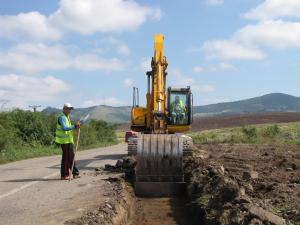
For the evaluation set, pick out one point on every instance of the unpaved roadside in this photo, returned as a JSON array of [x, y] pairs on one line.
[[31, 191]]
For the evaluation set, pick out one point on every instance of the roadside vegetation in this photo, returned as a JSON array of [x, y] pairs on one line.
[[24, 134], [286, 133]]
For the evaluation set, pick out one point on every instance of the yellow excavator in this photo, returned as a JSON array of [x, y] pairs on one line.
[[156, 139]]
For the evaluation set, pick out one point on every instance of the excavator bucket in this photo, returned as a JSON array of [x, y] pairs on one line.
[[159, 170]]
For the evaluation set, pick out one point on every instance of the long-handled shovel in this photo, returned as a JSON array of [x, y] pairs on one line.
[[82, 121], [77, 144]]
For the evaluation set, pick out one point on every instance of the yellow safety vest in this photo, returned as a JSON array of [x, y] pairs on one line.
[[61, 136], [181, 107]]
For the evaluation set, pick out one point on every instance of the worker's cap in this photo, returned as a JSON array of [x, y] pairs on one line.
[[68, 105]]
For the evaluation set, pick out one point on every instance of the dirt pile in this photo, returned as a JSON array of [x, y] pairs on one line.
[[117, 209], [244, 184], [126, 164]]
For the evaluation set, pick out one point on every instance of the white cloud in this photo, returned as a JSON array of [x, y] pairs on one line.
[[90, 16], [128, 82], [82, 16], [198, 69], [110, 44], [33, 58], [249, 42], [23, 90], [246, 43], [273, 33], [228, 50], [179, 80], [124, 49], [215, 2], [91, 62], [145, 64], [226, 66], [28, 26], [112, 101], [271, 9]]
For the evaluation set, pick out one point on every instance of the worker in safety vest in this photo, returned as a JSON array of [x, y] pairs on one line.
[[178, 110], [64, 137]]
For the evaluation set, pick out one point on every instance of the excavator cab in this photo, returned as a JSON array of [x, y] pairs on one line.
[[180, 106]]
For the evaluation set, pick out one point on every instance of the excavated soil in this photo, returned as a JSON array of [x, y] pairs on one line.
[[245, 184]]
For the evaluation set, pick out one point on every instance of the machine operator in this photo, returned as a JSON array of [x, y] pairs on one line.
[[178, 110]]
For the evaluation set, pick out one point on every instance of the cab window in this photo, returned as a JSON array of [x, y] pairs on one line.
[[178, 109]]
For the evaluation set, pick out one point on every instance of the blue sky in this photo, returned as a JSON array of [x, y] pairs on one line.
[[91, 52]]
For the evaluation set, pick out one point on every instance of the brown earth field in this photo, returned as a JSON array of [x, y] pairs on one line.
[[244, 184], [216, 122]]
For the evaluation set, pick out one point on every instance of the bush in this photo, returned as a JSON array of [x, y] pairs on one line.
[[249, 132], [271, 131], [105, 132], [8, 133], [33, 128], [88, 136], [21, 130], [97, 132]]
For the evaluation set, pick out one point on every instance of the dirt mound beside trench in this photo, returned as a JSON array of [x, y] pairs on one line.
[[244, 184], [118, 209]]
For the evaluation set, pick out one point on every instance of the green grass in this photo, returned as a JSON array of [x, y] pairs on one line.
[[120, 136], [12, 154], [285, 133]]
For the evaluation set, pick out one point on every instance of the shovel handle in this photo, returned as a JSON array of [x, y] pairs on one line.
[[76, 148]]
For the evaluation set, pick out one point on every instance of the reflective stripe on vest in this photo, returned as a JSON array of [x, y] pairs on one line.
[[61, 136]]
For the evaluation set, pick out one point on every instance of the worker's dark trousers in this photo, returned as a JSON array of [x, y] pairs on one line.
[[67, 159]]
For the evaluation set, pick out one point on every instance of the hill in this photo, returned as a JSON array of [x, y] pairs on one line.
[[102, 112], [275, 102], [270, 103]]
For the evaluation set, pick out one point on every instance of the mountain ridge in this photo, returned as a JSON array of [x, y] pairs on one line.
[[273, 102]]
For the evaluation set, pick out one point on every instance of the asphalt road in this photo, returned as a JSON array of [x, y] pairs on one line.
[[31, 191]]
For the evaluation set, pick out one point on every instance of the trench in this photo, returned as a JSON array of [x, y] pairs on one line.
[[161, 211], [154, 211]]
